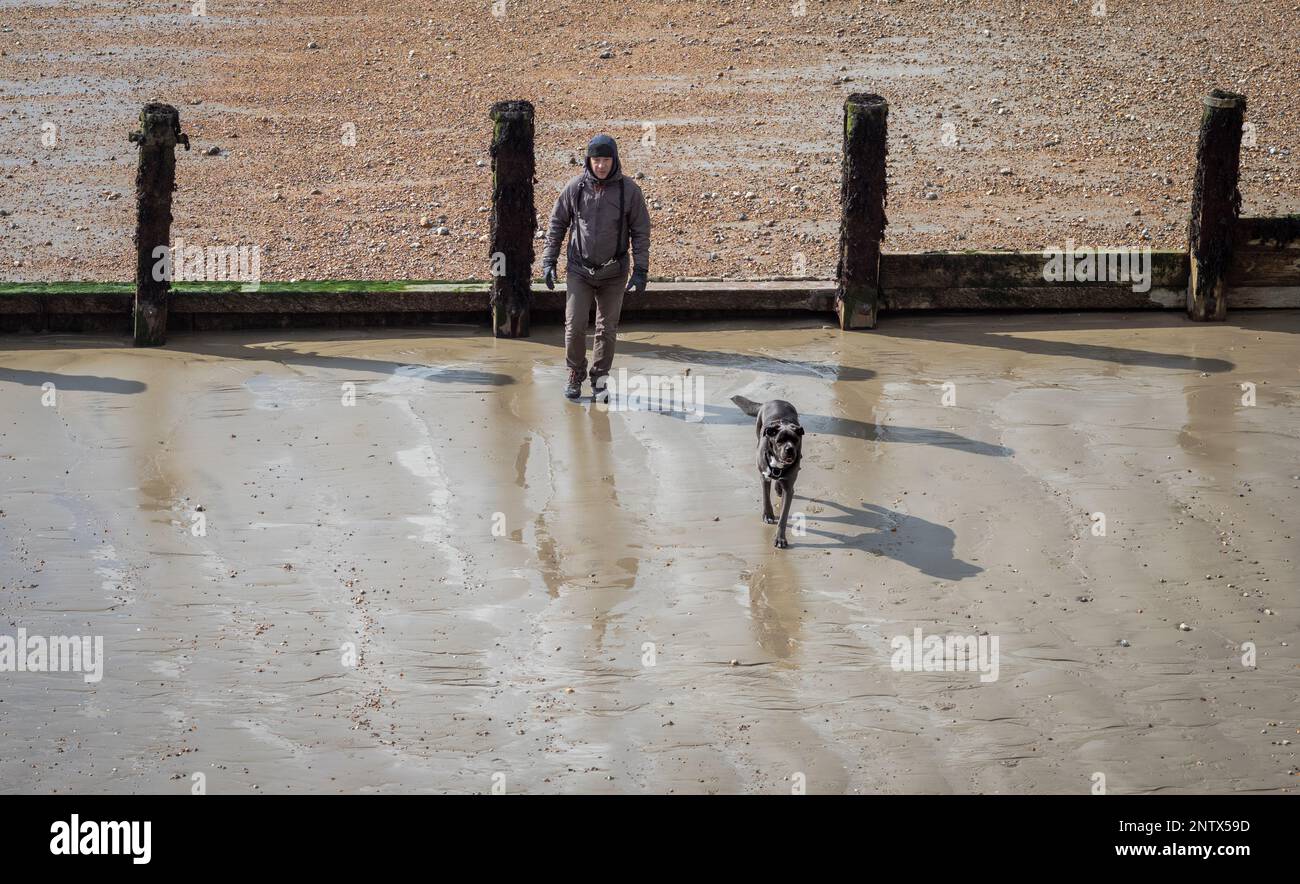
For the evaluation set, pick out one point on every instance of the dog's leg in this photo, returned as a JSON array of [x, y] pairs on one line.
[[768, 516], [786, 497]]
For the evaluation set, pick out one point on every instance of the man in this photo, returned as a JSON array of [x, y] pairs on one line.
[[605, 209]]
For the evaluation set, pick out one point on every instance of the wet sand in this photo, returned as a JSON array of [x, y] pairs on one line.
[[521, 660]]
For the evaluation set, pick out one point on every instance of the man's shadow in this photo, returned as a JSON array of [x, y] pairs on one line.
[[849, 428], [745, 361], [924, 545], [724, 359], [89, 383]]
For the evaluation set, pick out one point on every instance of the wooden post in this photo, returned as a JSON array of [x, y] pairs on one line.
[[513, 219], [1216, 202], [155, 179], [862, 209]]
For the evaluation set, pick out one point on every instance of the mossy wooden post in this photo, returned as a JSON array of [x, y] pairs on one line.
[[514, 218], [155, 179], [862, 209], [1216, 203]]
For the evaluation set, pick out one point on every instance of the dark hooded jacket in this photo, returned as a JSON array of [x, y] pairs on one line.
[[591, 207]]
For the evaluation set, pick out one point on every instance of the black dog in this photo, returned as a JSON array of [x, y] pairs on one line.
[[780, 447]]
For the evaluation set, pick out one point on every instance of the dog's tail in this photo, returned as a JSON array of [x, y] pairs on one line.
[[749, 406]]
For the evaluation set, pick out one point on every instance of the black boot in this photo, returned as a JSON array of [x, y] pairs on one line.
[[573, 386], [600, 389]]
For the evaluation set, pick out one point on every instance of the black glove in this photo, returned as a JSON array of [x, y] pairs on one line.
[[638, 280], [548, 275]]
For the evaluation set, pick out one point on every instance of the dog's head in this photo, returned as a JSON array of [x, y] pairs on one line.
[[783, 440]]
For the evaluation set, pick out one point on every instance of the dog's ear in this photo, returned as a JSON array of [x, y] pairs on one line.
[[798, 430]]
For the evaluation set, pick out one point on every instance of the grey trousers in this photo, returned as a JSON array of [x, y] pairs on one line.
[[608, 295]]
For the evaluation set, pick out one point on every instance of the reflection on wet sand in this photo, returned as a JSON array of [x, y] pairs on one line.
[[775, 607], [1212, 405]]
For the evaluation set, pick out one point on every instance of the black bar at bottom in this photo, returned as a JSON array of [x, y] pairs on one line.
[[337, 833]]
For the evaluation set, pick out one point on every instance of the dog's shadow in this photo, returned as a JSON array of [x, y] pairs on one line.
[[924, 545]]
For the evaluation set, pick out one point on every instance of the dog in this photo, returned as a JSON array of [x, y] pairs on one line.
[[780, 448]]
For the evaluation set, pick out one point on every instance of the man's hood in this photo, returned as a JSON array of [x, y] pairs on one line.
[[609, 145]]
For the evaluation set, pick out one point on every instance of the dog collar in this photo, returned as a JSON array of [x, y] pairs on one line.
[[772, 472]]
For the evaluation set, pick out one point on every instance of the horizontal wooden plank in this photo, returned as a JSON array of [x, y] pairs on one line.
[[1265, 253], [1279, 232], [91, 303], [1266, 273], [1254, 266], [1258, 297], [1059, 297], [327, 302], [940, 270], [22, 304]]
